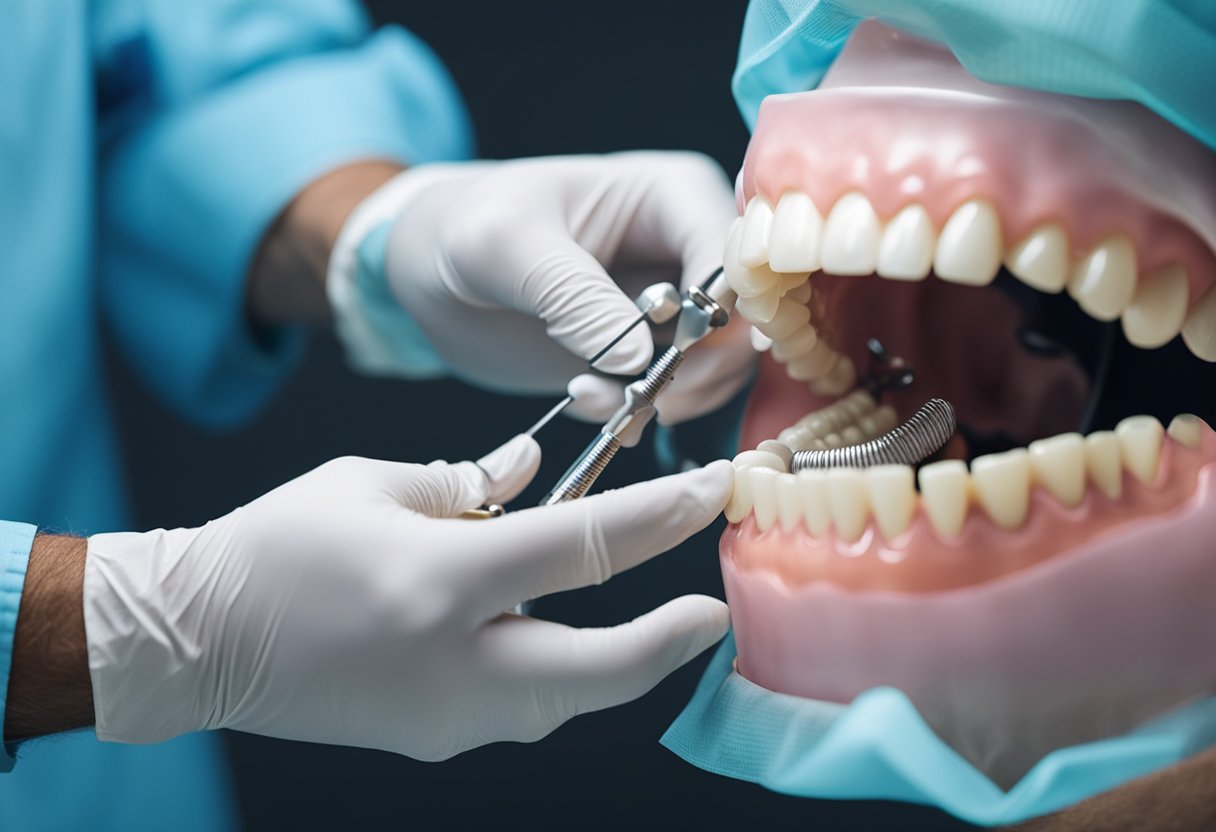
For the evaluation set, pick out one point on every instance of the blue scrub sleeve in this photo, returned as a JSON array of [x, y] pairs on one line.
[[16, 540], [250, 101]]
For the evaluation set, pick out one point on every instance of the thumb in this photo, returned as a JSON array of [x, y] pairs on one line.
[[443, 489]]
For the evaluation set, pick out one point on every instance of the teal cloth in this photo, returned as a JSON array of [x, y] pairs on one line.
[[1161, 53], [145, 146], [878, 747], [16, 539]]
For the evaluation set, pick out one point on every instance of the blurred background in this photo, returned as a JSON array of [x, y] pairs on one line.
[[540, 77]]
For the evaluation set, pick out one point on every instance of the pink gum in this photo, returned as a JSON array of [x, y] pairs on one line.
[[900, 121], [1080, 646], [920, 561]]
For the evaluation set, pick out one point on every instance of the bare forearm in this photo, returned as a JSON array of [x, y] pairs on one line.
[[49, 689], [287, 279]]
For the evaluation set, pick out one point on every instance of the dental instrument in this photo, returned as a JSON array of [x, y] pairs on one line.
[[699, 313]]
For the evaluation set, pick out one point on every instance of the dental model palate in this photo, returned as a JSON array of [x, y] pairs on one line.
[[925, 433]]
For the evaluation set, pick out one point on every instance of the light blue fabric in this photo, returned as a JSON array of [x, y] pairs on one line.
[[878, 747], [16, 539], [1161, 53], [145, 146]]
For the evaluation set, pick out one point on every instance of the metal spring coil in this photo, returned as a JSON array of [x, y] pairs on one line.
[[924, 434], [583, 474], [660, 373]]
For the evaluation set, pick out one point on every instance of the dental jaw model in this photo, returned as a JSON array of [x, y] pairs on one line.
[[1062, 589]]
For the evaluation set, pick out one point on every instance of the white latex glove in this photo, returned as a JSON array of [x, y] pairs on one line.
[[343, 608], [518, 272]]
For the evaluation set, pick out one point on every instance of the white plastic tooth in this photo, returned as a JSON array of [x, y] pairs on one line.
[[892, 493], [1199, 331], [945, 489], [777, 449], [1104, 281], [760, 341], [798, 439], [740, 503], [1104, 464], [816, 503], [747, 283], [1041, 260], [849, 502], [761, 308], [841, 378], [852, 435], [1058, 464], [833, 440], [764, 496], [1140, 446], [814, 363], [760, 459], [789, 502], [851, 236], [789, 318], [801, 293], [1187, 429], [1002, 486], [886, 417], [859, 403], [799, 343], [1158, 308], [969, 247], [906, 251], [754, 239], [794, 236]]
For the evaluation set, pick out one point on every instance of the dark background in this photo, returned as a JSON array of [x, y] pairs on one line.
[[539, 78]]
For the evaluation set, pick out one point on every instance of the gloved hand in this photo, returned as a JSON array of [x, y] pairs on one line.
[[343, 607], [516, 273]]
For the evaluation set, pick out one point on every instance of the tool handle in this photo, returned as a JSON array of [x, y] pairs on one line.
[[580, 476]]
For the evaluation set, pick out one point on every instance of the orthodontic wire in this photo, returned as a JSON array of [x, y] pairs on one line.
[[925, 433]]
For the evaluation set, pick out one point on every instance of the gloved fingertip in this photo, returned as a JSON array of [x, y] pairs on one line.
[[510, 467], [631, 356], [595, 398]]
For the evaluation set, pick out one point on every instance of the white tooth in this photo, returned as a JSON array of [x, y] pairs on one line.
[[886, 417], [816, 507], [858, 403], [1140, 446], [833, 440], [852, 435], [760, 341], [774, 447], [1157, 309], [753, 241], [812, 364], [790, 317], [792, 346], [1103, 463], [1187, 429], [764, 496], [794, 239], [760, 459], [1041, 260], [945, 493], [800, 293], [906, 252], [1002, 485], [740, 502], [1058, 464], [1199, 331], [850, 237], [849, 502], [969, 248], [892, 496], [798, 439], [759, 308], [1104, 281], [841, 378], [789, 501]]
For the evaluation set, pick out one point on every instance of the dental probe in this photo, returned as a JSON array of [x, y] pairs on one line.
[[699, 313], [658, 303]]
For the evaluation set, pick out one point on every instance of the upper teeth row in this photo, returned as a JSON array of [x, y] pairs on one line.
[[844, 499], [769, 245]]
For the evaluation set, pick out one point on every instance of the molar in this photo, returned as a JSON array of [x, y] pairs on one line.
[[1140, 446], [906, 251], [794, 234], [800, 293], [1104, 464], [778, 449], [1002, 485], [945, 494], [841, 378], [1158, 308], [1058, 464], [753, 240], [969, 248], [788, 319], [799, 343], [816, 362], [1041, 260], [848, 502], [1186, 429], [892, 494], [760, 308], [1104, 281], [851, 236], [1199, 331]]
